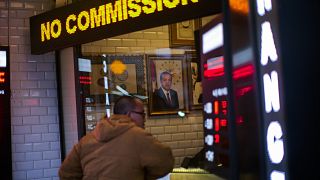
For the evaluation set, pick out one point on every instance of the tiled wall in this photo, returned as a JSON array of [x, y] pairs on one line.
[[183, 135], [34, 114], [145, 41]]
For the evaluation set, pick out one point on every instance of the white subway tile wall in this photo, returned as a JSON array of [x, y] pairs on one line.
[[34, 116]]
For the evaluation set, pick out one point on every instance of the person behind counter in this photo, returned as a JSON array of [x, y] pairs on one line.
[[119, 148]]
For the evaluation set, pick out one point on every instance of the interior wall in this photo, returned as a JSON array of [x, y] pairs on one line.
[[183, 135], [34, 112], [68, 104]]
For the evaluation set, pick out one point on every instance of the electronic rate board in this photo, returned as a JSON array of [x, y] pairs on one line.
[[5, 115], [215, 103]]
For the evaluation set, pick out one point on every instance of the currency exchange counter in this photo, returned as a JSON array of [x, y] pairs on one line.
[[190, 174]]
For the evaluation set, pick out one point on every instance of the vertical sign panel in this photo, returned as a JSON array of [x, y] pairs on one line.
[[245, 119], [215, 102], [270, 81], [5, 115]]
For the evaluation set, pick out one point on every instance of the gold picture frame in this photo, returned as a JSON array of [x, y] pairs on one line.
[[194, 80], [175, 66], [181, 34]]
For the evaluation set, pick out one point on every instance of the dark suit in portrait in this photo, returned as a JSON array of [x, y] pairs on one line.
[[160, 101]]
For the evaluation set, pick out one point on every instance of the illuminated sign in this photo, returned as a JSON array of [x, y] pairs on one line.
[[85, 80], [212, 39], [220, 117], [4, 73], [87, 21], [3, 59], [215, 92], [214, 67], [2, 77], [5, 114], [271, 82]]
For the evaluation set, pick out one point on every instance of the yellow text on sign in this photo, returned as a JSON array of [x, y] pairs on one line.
[[106, 14]]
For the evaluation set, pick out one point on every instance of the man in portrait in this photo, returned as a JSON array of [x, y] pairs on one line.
[[165, 98]]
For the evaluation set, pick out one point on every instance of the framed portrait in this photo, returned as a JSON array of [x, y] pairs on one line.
[[166, 84], [194, 80], [182, 33], [130, 75]]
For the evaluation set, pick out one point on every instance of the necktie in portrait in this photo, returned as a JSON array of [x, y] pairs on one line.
[[168, 98]]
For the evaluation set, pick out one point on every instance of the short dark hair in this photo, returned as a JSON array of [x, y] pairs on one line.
[[163, 73], [124, 105]]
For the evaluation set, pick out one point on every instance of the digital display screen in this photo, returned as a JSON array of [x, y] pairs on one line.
[[84, 65], [5, 115], [215, 113], [2, 77], [213, 67], [4, 73], [3, 59], [215, 103], [212, 39]]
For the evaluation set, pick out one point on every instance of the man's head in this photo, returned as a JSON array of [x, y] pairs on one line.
[[166, 80], [131, 107]]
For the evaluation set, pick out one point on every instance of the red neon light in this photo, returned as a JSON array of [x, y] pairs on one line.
[[84, 77], [243, 71], [216, 124], [224, 112], [216, 138], [216, 107], [213, 73], [224, 104], [214, 68], [2, 78], [85, 80], [223, 122]]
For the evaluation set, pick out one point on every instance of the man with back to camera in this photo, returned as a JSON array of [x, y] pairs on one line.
[[165, 98], [119, 148]]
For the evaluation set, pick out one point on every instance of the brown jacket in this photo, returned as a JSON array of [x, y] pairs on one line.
[[117, 149]]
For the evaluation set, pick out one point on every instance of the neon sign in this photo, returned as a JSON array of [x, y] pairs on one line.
[[270, 79], [214, 67], [87, 21], [215, 95], [5, 113], [2, 77], [85, 80], [219, 113], [4, 72]]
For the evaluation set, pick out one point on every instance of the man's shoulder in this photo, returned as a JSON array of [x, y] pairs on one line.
[[157, 91], [173, 91], [138, 132], [88, 138]]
